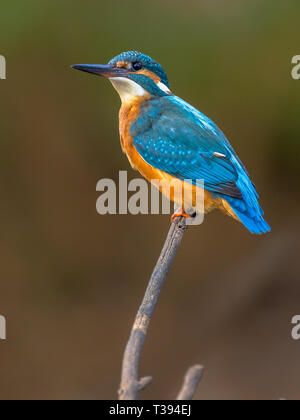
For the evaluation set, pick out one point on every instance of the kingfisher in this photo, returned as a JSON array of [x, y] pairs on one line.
[[167, 139]]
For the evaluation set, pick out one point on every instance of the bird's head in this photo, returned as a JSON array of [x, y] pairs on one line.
[[133, 75]]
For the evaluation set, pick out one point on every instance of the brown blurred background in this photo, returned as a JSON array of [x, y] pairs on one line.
[[71, 280]]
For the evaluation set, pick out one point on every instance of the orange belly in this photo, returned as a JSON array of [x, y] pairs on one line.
[[184, 194]]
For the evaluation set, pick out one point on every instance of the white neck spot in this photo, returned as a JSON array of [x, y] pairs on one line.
[[163, 87]]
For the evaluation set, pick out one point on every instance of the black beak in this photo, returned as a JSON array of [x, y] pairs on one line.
[[102, 70]]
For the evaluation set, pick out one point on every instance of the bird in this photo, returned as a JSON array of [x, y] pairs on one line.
[[167, 139]]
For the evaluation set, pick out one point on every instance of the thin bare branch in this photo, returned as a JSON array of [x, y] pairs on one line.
[[190, 383], [130, 383]]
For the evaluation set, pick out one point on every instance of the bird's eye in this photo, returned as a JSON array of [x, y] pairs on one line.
[[137, 65]]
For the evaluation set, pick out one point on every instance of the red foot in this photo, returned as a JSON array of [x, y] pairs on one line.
[[179, 213]]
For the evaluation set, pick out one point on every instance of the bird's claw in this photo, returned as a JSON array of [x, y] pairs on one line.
[[179, 213]]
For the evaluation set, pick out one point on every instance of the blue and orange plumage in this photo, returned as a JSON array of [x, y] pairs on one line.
[[167, 139]]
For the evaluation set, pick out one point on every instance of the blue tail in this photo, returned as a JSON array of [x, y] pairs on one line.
[[250, 218], [247, 208]]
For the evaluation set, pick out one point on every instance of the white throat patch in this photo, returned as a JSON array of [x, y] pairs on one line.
[[127, 89]]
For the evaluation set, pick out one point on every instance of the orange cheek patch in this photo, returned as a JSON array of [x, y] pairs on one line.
[[150, 74]]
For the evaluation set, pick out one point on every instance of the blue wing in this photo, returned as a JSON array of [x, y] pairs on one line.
[[176, 138]]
